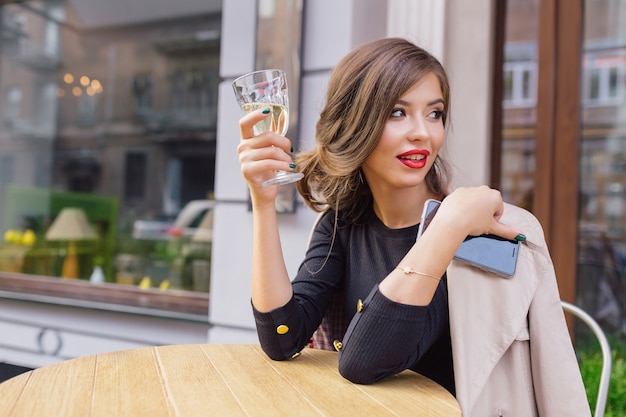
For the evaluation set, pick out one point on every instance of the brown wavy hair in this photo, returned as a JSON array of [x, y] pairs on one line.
[[362, 91]]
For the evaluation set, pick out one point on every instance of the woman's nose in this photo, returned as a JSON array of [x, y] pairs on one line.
[[418, 130]]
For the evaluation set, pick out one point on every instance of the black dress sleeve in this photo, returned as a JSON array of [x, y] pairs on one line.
[[284, 331], [387, 337]]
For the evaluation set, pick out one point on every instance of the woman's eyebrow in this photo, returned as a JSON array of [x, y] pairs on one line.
[[437, 101], [432, 103]]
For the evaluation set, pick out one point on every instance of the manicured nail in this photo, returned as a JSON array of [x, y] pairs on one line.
[[266, 110], [520, 238], [292, 149], [292, 166]]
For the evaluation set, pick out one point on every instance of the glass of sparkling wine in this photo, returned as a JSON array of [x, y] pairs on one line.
[[267, 89]]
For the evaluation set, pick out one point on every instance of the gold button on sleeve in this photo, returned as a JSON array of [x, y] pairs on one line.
[[295, 355], [282, 329], [338, 345], [359, 305]]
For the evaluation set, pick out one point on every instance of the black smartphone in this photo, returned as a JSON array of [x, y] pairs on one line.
[[488, 252]]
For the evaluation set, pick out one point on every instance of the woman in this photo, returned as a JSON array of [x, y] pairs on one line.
[[366, 287]]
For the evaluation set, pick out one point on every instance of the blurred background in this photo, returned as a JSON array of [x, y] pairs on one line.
[[123, 109]]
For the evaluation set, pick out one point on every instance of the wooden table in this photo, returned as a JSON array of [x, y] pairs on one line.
[[213, 379]]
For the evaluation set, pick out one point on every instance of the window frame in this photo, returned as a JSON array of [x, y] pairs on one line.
[[558, 109], [518, 98], [602, 65]]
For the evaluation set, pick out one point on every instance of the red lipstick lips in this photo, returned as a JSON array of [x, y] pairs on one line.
[[415, 158]]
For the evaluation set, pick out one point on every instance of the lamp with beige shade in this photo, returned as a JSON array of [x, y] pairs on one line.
[[70, 225]]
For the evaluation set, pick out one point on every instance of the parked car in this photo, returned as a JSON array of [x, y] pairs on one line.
[[186, 223]]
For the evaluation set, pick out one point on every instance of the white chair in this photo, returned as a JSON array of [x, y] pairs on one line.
[[605, 376]]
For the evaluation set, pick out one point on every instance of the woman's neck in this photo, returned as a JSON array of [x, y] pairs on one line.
[[401, 208]]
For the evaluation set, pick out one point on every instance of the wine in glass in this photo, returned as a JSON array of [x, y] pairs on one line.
[[267, 89]]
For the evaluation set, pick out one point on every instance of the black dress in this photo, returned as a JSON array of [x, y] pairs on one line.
[[385, 337]]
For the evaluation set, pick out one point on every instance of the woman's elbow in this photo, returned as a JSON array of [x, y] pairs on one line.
[[276, 356], [357, 372], [274, 352]]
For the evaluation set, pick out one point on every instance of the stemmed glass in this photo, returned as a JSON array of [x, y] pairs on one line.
[[263, 89]]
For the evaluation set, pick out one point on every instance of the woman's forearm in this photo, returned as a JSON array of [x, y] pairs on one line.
[[271, 286], [425, 263]]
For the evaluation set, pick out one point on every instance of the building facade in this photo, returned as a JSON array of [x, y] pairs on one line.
[[126, 110]]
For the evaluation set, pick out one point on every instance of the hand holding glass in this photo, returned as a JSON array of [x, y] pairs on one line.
[[267, 89]]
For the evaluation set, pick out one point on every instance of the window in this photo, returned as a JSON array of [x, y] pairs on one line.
[[604, 81], [6, 170], [87, 106], [520, 84], [135, 176], [88, 99], [12, 105], [142, 89]]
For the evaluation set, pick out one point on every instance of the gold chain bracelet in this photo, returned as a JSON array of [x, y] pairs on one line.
[[409, 270]]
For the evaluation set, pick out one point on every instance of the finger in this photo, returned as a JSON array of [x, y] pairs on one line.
[[508, 232], [498, 212], [277, 145], [247, 122], [272, 153], [265, 167]]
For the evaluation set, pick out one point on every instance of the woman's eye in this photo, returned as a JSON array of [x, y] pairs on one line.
[[436, 114], [397, 113]]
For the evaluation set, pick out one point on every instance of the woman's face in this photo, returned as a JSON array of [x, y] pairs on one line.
[[411, 139]]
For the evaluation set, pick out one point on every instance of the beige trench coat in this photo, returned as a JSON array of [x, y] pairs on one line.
[[512, 351]]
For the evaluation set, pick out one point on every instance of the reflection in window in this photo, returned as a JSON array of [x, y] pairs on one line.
[[135, 176], [82, 173], [6, 170], [91, 92], [142, 90], [12, 104], [602, 222], [605, 80], [191, 89], [519, 97], [51, 39], [42, 170], [45, 109], [520, 84], [87, 105]]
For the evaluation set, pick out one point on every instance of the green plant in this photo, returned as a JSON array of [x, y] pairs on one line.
[[590, 360]]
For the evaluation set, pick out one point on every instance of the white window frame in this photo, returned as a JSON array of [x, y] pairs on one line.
[[603, 67], [518, 98]]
